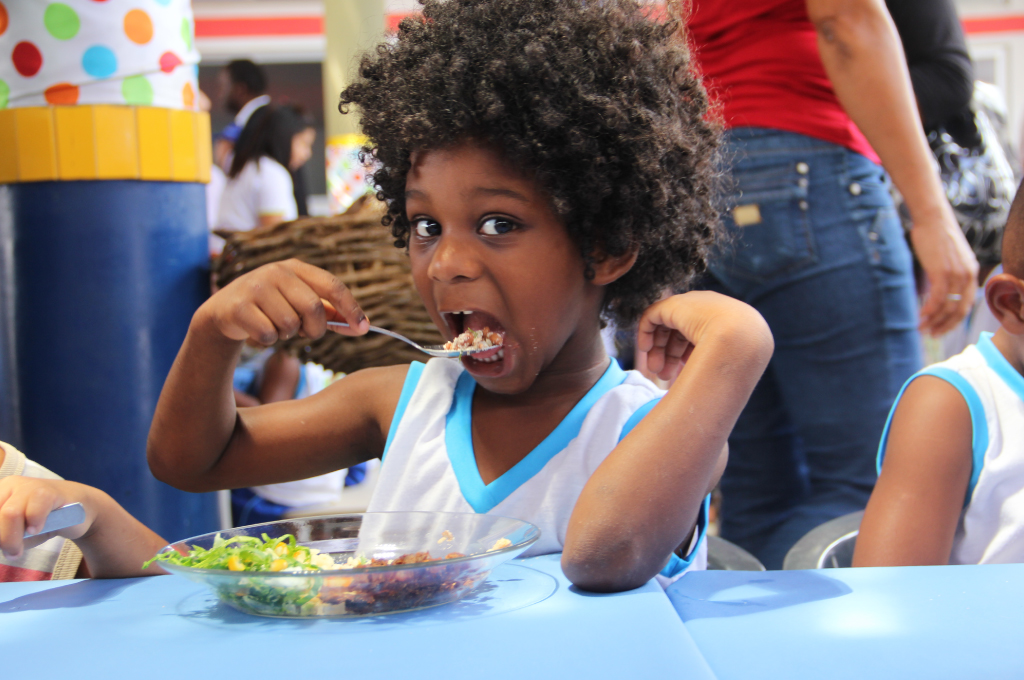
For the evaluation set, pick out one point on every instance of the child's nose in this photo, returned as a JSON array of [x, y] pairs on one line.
[[454, 259]]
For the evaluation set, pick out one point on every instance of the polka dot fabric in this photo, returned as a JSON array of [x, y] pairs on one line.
[[138, 52]]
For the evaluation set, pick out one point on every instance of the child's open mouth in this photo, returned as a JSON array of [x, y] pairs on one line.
[[474, 328]]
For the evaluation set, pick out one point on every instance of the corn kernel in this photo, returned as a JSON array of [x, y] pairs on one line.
[[235, 564], [278, 565]]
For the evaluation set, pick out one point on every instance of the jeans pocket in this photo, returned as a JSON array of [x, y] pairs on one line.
[[767, 223], [886, 244]]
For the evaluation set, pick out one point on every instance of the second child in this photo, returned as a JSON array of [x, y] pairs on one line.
[[951, 485]]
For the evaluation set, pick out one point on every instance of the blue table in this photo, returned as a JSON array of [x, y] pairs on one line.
[[526, 621], [876, 624]]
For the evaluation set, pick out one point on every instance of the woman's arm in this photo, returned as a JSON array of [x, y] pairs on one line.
[[199, 441], [914, 509], [862, 56], [643, 500]]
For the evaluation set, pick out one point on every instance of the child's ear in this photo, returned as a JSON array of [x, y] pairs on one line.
[[1005, 296], [608, 269]]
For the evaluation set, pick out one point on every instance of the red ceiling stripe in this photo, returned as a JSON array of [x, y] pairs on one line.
[[994, 24], [237, 27]]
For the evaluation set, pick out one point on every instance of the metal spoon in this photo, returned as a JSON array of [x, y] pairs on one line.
[[61, 518], [432, 350]]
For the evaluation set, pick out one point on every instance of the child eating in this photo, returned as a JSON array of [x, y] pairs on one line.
[[951, 487], [547, 163]]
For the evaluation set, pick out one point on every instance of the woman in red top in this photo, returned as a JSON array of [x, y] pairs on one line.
[[813, 95]]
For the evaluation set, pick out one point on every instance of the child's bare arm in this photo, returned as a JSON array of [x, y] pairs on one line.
[[643, 500], [914, 509], [199, 441], [113, 543]]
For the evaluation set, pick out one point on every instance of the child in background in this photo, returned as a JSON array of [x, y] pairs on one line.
[[265, 376], [110, 543], [951, 488], [546, 163]]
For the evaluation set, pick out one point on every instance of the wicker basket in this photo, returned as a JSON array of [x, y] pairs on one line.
[[360, 251]]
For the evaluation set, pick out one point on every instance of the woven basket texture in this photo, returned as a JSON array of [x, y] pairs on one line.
[[360, 251]]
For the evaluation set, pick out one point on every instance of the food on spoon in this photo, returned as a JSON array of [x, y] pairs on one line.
[[474, 339]]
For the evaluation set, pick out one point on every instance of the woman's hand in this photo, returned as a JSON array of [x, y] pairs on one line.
[[951, 268], [670, 329], [279, 301]]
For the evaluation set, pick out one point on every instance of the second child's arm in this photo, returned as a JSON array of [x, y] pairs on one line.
[[200, 441], [113, 543], [913, 512], [643, 500]]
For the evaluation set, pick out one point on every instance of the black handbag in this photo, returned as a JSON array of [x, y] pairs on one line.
[[978, 179]]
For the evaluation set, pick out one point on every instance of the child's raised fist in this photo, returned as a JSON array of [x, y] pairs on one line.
[[671, 329]]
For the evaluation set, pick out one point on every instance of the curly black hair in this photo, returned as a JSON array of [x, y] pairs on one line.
[[593, 97]]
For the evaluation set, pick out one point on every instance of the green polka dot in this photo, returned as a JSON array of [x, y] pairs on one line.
[[5, 91], [61, 21], [186, 33], [137, 91]]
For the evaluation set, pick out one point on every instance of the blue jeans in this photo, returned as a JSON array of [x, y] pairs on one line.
[[823, 258]]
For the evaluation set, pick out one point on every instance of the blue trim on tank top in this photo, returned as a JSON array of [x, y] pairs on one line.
[[458, 438], [979, 423], [637, 416], [998, 363], [412, 379], [676, 564]]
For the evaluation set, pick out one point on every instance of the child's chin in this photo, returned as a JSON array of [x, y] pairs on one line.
[[498, 368]]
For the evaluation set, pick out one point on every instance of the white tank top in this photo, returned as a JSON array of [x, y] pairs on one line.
[[991, 526], [429, 463]]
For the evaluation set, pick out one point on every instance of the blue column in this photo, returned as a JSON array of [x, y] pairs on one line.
[[107, 275]]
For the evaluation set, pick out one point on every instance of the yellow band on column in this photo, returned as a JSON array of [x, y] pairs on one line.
[[104, 142]]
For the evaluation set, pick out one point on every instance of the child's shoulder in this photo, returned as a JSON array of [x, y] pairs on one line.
[[621, 399]]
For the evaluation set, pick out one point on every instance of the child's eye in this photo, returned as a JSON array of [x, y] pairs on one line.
[[493, 226], [425, 228]]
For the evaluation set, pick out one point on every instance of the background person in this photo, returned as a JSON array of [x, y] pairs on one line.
[[259, 190], [243, 87], [810, 90]]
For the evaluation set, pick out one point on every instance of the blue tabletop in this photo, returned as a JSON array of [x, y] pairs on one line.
[[881, 623], [525, 621]]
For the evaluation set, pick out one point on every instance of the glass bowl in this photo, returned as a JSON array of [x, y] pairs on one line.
[[479, 543]]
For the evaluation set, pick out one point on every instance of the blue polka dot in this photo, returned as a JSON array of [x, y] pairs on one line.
[[164, 2], [99, 61]]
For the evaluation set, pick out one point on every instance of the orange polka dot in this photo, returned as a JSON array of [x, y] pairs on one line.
[[3, 18], [188, 96], [62, 94], [138, 26]]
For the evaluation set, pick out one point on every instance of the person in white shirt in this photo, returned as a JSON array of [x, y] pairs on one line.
[[243, 87], [259, 191]]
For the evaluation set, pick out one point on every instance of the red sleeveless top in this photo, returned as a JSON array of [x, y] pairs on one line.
[[761, 64]]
